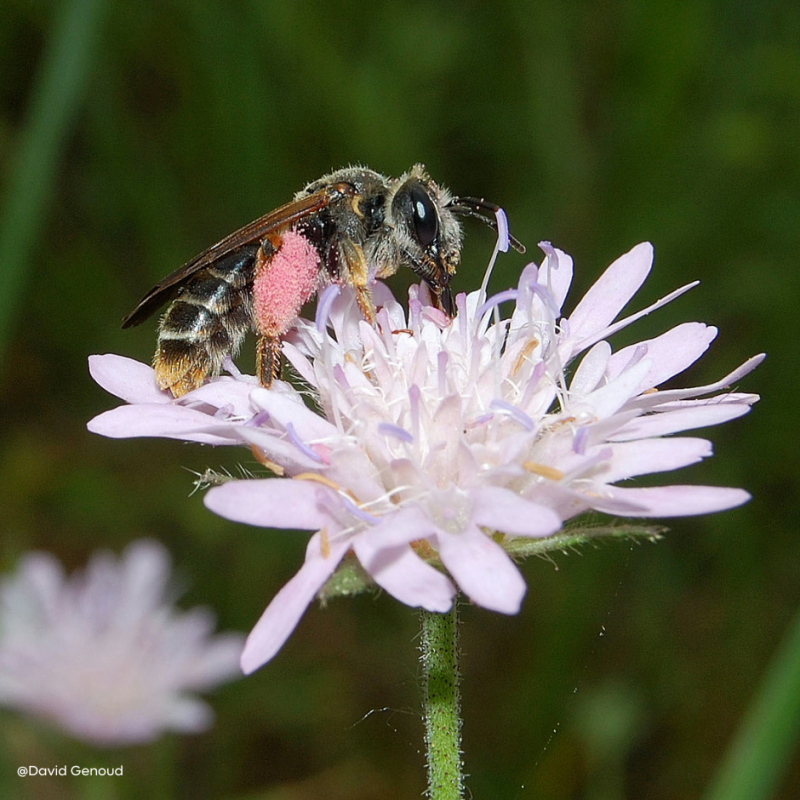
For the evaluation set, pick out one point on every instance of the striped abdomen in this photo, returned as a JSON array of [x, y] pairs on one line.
[[205, 322]]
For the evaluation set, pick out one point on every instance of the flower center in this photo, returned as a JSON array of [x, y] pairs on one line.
[[450, 510]]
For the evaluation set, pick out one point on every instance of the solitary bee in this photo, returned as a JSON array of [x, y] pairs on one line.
[[349, 227]]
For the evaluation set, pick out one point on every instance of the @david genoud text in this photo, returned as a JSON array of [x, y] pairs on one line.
[[65, 770]]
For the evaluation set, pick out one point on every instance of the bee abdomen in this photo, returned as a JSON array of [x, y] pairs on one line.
[[207, 321]]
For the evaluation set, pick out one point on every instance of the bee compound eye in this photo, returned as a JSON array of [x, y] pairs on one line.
[[426, 221]]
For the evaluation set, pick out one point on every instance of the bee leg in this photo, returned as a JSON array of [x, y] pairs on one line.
[[365, 303], [268, 359], [358, 273]]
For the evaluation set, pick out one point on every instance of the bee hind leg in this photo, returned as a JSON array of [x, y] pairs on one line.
[[268, 359], [365, 303]]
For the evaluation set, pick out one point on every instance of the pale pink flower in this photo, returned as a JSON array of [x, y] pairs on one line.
[[444, 441], [103, 654]]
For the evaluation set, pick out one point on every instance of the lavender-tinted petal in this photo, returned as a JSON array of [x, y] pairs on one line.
[[224, 392], [556, 273], [670, 353], [284, 409], [611, 292], [164, 421], [271, 503], [326, 300], [677, 501], [402, 573], [299, 361], [127, 379], [591, 370], [284, 612], [482, 569], [729, 380], [576, 345], [654, 455], [274, 446], [682, 419], [610, 397], [397, 529], [503, 510]]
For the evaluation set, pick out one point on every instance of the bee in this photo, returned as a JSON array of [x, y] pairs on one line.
[[350, 227]]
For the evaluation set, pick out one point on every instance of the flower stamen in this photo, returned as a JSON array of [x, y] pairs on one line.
[[265, 462], [316, 478], [324, 543], [515, 413], [395, 431], [524, 356], [543, 471], [302, 446]]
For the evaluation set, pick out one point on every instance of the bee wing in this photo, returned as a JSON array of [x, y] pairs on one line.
[[255, 231]]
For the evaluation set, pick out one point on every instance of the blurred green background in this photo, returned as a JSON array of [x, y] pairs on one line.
[[133, 135]]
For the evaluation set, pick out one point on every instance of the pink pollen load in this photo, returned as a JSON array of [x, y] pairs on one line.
[[285, 283]]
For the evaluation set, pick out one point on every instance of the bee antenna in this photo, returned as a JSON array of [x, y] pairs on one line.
[[478, 208]]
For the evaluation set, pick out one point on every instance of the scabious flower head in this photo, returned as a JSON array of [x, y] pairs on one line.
[[435, 442], [103, 654]]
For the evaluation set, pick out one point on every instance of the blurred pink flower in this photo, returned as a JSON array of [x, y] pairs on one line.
[[103, 654], [450, 439]]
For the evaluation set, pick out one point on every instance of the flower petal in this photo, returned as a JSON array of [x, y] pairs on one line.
[[611, 292], [503, 510], [555, 274], [272, 503], [402, 573], [164, 420], [274, 445], [681, 419], [397, 529], [284, 612], [576, 346], [285, 409], [482, 569], [670, 353], [654, 455], [127, 379], [657, 398], [592, 370], [299, 361], [610, 397], [676, 501], [232, 394]]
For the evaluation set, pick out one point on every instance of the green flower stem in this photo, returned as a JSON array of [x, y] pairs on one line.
[[442, 704]]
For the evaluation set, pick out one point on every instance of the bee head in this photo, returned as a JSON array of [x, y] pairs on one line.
[[427, 232]]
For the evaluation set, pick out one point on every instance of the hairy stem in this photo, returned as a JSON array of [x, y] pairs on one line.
[[442, 704]]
